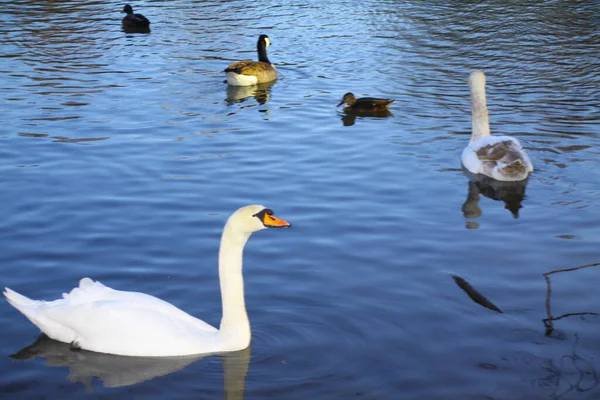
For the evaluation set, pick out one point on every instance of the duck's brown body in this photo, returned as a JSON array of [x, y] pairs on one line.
[[365, 103], [134, 20]]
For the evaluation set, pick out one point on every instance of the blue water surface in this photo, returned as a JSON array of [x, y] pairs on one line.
[[122, 155]]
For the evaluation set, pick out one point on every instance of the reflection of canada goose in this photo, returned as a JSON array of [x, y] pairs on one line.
[[119, 371], [97, 318], [511, 193], [134, 19], [364, 103], [248, 72], [261, 93], [499, 157]]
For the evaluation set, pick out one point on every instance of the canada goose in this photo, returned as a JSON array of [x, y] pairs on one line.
[[498, 157], [248, 72], [97, 318]]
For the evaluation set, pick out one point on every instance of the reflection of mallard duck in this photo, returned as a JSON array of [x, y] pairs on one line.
[[248, 72], [511, 193], [119, 371], [350, 116], [134, 20], [364, 104], [499, 157], [97, 318]]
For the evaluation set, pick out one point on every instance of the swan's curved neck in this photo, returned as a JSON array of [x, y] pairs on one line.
[[479, 112], [262, 53], [235, 325]]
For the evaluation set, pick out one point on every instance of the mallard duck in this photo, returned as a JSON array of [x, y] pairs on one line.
[[498, 157], [364, 103], [134, 19], [248, 72], [97, 318]]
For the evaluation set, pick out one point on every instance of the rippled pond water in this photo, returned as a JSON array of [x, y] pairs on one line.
[[122, 155]]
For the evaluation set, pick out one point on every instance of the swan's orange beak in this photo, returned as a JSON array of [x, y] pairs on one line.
[[272, 221]]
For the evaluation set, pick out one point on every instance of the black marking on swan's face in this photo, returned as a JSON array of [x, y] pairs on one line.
[[269, 220]]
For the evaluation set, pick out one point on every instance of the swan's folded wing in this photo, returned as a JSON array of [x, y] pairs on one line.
[[90, 296], [495, 151], [129, 326]]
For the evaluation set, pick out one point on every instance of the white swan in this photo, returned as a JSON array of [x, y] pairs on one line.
[[97, 318], [499, 157]]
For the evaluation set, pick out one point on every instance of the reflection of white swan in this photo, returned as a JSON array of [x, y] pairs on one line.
[[511, 193], [499, 157], [117, 371], [97, 318]]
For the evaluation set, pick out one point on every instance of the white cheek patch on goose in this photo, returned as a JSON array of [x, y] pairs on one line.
[[268, 42]]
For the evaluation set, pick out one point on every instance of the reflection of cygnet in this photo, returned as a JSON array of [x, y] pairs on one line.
[[470, 207]]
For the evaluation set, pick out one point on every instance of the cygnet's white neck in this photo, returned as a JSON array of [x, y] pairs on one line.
[[235, 326], [479, 113]]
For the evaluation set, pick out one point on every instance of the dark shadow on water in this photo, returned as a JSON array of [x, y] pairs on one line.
[[239, 94], [349, 117], [117, 371], [511, 193]]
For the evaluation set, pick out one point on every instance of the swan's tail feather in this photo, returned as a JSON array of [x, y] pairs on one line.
[[28, 307], [19, 301], [34, 311]]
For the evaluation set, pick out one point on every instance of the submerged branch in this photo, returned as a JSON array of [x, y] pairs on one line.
[[570, 269], [548, 321], [474, 294]]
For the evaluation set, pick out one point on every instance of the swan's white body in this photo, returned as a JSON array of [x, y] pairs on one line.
[[499, 157], [97, 318]]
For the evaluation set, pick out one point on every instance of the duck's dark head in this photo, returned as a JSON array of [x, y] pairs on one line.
[[347, 99], [127, 9]]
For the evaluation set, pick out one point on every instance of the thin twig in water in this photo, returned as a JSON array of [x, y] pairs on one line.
[[570, 269], [548, 321]]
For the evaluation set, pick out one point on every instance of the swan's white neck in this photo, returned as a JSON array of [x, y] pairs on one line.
[[479, 113], [235, 326]]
